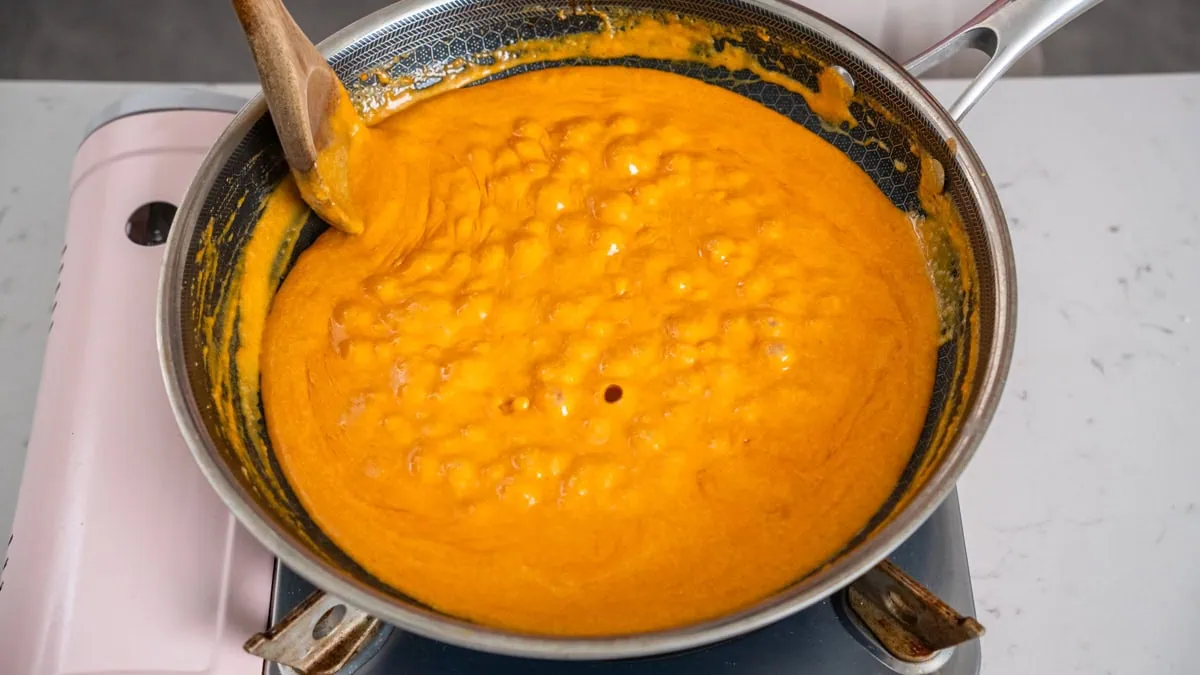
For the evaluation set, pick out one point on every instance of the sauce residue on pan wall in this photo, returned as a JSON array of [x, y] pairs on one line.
[[644, 35], [636, 356], [232, 331]]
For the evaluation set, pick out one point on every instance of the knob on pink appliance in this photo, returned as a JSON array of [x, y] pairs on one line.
[[122, 559]]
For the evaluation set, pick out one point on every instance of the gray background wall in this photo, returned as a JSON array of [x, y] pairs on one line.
[[199, 40]]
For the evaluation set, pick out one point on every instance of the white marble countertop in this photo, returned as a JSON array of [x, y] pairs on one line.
[[1082, 508]]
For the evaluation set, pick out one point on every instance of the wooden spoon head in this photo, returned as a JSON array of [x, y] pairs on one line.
[[309, 107]]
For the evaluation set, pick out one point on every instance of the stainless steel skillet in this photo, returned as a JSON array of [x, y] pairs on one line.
[[218, 408]]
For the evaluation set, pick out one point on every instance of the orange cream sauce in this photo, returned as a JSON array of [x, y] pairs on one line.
[[616, 351]]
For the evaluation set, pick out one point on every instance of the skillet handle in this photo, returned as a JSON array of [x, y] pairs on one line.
[[907, 628], [321, 636], [1004, 30]]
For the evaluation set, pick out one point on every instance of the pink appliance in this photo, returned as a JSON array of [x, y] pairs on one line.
[[122, 560]]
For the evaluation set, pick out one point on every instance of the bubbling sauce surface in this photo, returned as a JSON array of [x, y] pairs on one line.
[[617, 351]]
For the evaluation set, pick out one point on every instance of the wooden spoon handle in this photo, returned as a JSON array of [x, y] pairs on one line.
[[300, 87]]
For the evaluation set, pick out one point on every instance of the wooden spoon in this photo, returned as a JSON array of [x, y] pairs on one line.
[[311, 110]]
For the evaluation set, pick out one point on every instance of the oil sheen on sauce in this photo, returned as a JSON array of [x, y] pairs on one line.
[[616, 351]]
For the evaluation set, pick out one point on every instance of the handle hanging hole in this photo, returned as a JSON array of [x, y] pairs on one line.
[[328, 621]]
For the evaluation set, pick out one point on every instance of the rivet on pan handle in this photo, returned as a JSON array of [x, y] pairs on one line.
[[321, 636], [914, 626]]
